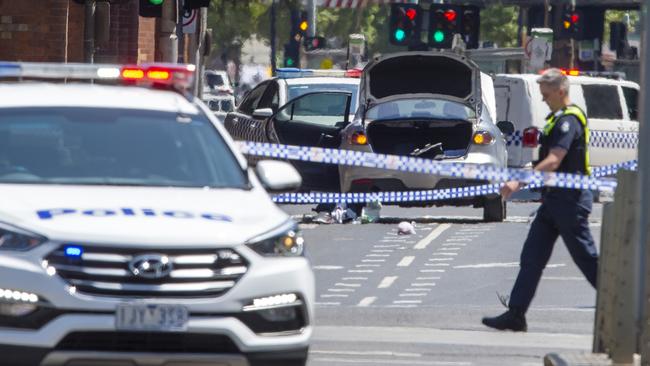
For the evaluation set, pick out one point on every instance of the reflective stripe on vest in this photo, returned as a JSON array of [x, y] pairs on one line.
[[577, 112]]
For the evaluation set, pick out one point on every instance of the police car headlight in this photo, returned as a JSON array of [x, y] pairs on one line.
[[13, 238], [285, 241]]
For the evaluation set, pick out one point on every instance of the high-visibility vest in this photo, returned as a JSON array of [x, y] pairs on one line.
[[580, 115]]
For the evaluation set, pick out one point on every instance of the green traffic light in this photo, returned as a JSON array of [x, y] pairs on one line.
[[400, 35], [289, 62], [439, 36], [156, 2]]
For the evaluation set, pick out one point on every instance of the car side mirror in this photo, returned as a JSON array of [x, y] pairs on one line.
[[278, 176], [507, 127], [263, 113]]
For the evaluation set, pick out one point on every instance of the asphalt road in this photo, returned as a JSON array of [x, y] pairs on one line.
[[388, 299]]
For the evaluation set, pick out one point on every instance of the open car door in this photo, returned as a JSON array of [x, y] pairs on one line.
[[314, 119]]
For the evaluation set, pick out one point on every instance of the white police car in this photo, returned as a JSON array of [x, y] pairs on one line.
[[132, 231]]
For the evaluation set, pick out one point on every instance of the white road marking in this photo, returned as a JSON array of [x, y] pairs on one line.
[[427, 278], [449, 248], [418, 289], [333, 295], [367, 301], [490, 265], [372, 260], [391, 240], [340, 289], [457, 239], [327, 303], [445, 254], [423, 284], [327, 268], [354, 278], [367, 265], [365, 353], [336, 361], [401, 306], [387, 281], [431, 270], [434, 270], [407, 302], [432, 236], [453, 244], [360, 270], [386, 245], [382, 250], [348, 284], [406, 261], [413, 294], [378, 255], [437, 264], [441, 259]]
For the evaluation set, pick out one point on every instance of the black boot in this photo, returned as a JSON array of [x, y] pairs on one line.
[[510, 320]]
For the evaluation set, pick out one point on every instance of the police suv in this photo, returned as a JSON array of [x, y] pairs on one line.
[[133, 232]]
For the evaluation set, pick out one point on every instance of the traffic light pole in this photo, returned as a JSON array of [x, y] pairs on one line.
[[168, 38], [311, 11], [273, 37], [89, 31]]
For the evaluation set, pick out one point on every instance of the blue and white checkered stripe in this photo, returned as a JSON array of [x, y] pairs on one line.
[[598, 139], [425, 195], [419, 165]]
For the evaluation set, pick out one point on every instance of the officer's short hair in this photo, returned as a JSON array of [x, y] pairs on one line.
[[555, 79]]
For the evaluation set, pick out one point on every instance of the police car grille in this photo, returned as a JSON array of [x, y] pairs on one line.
[[109, 271]]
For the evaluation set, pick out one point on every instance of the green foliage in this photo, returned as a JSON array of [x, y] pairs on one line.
[[499, 25]]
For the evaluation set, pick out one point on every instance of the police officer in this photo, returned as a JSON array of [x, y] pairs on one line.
[[563, 212]]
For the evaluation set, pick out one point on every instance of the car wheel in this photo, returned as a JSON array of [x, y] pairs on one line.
[[494, 210]]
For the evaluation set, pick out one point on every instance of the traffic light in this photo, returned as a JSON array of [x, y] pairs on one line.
[[617, 38], [405, 23], [314, 43], [292, 54], [303, 26], [151, 8], [470, 24], [444, 21], [571, 23]]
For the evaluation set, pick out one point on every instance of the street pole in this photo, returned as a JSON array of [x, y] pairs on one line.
[[641, 267], [311, 12], [89, 31], [180, 36], [168, 39], [273, 37]]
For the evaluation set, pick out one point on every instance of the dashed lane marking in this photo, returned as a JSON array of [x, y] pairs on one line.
[[406, 261], [449, 240], [367, 301], [387, 281], [407, 302], [453, 244], [452, 254], [327, 303], [327, 268], [413, 294], [348, 284], [427, 278], [449, 248], [386, 245], [360, 271], [377, 255], [373, 260], [340, 289], [438, 264], [382, 250], [367, 265], [418, 289], [432, 236], [431, 270], [354, 278], [423, 284], [333, 295], [441, 259]]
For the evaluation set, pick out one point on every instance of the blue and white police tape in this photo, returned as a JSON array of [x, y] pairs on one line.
[[425, 166], [598, 139], [423, 195]]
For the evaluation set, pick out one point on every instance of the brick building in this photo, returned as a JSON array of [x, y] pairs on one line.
[[53, 31]]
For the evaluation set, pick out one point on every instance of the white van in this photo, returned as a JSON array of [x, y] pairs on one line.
[[611, 106]]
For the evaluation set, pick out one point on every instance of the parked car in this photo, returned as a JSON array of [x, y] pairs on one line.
[[217, 82], [299, 107], [132, 231], [433, 105], [610, 104]]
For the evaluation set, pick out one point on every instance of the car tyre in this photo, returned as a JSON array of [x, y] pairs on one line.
[[494, 209]]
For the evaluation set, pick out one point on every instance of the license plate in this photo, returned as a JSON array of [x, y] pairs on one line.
[[151, 317]]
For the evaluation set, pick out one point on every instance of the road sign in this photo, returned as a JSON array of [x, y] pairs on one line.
[[189, 20]]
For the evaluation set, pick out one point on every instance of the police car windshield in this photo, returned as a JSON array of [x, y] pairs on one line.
[[91, 146], [420, 108], [300, 89]]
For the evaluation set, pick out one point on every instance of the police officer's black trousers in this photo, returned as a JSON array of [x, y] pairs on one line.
[[563, 215]]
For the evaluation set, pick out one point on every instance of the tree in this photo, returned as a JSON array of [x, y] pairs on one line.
[[499, 25]]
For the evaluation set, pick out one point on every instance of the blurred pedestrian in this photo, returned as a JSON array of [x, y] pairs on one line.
[[564, 212]]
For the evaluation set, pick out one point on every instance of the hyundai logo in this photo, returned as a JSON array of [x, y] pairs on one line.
[[151, 266]]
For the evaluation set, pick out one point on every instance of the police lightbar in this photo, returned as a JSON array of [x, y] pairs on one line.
[[172, 76], [289, 73]]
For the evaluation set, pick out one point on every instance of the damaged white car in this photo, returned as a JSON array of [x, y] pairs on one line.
[[432, 105]]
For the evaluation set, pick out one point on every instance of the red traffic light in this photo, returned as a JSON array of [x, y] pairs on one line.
[[450, 15], [411, 13], [574, 18]]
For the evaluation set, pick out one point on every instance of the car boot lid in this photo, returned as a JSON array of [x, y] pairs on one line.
[[410, 75]]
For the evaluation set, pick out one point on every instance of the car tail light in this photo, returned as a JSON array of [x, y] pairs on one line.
[[353, 73], [359, 138], [530, 137], [482, 138]]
